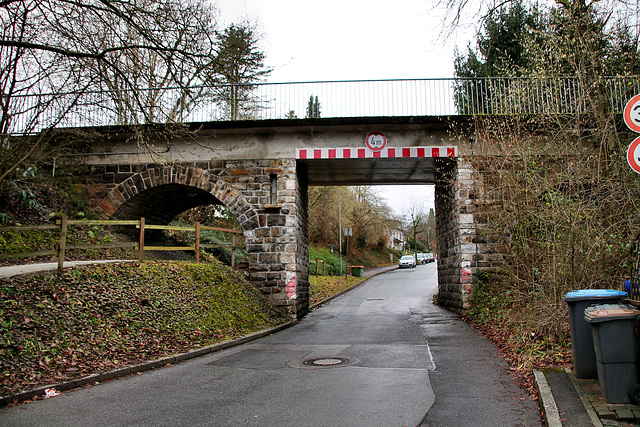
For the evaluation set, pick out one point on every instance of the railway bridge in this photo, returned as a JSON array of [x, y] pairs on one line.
[[261, 167]]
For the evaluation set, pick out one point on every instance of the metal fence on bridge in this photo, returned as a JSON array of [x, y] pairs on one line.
[[330, 99]]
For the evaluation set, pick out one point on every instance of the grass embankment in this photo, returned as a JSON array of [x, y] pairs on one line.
[[98, 318], [323, 287], [377, 257]]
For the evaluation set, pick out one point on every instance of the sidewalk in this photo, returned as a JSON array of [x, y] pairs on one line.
[[569, 401], [15, 270], [379, 270]]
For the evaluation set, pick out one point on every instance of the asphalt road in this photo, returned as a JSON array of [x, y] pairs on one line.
[[381, 355]]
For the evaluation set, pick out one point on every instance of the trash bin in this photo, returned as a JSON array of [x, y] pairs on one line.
[[614, 339], [356, 270], [584, 356]]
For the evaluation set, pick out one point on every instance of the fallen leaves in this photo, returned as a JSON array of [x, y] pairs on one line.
[[521, 359], [98, 318]]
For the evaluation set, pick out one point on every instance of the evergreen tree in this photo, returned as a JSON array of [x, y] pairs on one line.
[[501, 50], [239, 64], [313, 109], [501, 44]]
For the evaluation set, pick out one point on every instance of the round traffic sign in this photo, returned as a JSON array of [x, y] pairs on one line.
[[376, 141], [633, 155], [632, 114]]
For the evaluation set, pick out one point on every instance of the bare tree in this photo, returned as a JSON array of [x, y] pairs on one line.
[[362, 210], [28, 67], [462, 13], [369, 217], [147, 85], [140, 61], [417, 218]]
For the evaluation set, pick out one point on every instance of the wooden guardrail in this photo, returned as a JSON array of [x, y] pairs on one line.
[[63, 224]]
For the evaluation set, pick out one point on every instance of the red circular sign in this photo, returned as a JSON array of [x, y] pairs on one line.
[[632, 114], [633, 155], [376, 141]]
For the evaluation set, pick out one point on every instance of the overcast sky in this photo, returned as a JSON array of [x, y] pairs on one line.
[[352, 40]]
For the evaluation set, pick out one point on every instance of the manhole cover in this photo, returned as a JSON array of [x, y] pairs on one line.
[[322, 362], [327, 361]]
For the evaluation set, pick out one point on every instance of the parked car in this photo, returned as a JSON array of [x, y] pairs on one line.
[[422, 258], [430, 257], [407, 261]]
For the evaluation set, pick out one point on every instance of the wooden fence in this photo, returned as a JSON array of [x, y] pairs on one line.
[[63, 224], [320, 267]]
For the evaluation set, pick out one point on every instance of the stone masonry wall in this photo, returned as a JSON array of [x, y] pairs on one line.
[[264, 195], [463, 249], [302, 246], [449, 286], [269, 198]]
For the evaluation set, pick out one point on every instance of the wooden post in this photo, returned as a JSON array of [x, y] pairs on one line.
[[324, 268], [63, 242], [141, 248], [197, 241], [317, 266], [233, 250]]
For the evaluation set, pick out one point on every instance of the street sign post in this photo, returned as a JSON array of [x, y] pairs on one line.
[[632, 120], [632, 114], [347, 232], [633, 155]]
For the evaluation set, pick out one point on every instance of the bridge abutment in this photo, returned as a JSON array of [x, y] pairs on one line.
[[266, 196], [463, 249], [278, 247], [269, 199]]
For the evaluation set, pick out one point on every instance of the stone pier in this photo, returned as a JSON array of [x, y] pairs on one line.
[[463, 249]]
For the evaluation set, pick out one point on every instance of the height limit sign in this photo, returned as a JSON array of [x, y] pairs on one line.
[[632, 120]]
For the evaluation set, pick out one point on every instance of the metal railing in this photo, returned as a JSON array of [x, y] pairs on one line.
[[356, 98]]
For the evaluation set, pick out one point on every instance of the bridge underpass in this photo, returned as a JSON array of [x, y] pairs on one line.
[[261, 172]]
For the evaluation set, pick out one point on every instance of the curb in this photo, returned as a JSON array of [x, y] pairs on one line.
[[547, 402], [146, 366]]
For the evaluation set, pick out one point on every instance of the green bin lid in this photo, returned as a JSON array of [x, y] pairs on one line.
[[593, 294], [608, 312]]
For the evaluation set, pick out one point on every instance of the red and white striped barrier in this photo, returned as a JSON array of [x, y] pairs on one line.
[[366, 153]]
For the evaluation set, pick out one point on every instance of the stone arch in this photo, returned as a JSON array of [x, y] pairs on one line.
[[201, 179], [274, 232]]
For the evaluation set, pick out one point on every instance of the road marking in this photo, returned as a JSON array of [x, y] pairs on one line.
[[432, 363]]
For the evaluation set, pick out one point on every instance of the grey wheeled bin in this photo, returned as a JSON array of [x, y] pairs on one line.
[[584, 356], [614, 339]]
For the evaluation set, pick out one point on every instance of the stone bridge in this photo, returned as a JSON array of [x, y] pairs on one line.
[[261, 170]]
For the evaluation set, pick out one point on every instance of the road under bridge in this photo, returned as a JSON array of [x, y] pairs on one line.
[[261, 171]]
